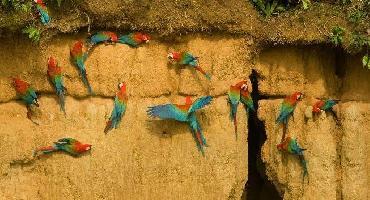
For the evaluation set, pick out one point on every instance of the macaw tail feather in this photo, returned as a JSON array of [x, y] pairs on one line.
[[61, 101], [233, 117], [236, 127], [86, 82], [199, 140], [108, 127], [250, 107], [30, 114], [45, 19], [304, 166], [207, 75], [45, 150]]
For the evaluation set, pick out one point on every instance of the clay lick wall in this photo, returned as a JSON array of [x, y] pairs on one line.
[[150, 159], [144, 158], [338, 151]]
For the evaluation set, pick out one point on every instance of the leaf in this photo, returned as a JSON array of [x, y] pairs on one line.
[[33, 33], [306, 4], [366, 61]]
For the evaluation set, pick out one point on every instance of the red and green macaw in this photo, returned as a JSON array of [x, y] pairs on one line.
[[290, 145], [119, 109], [56, 77], [27, 94], [79, 57], [288, 106], [42, 11], [324, 105], [239, 93], [186, 58], [68, 145], [103, 37], [184, 113], [134, 39]]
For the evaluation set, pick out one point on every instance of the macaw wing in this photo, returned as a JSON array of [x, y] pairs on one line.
[[32, 93], [65, 141], [200, 103], [118, 110], [328, 104], [285, 111], [247, 100], [234, 95], [127, 39], [168, 111], [187, 58], [98, 37], [84, 57]]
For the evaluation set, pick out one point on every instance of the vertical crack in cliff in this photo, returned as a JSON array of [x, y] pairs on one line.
[[340, 66], [258, 187]]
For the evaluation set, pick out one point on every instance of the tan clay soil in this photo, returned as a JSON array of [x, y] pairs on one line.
[[152, 159]]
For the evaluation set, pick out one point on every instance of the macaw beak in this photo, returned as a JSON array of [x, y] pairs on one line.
[[88, 148], [147, 41]]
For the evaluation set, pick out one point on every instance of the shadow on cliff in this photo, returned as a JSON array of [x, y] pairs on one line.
[[258, 187]]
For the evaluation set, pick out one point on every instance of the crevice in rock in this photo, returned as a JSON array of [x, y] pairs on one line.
[[258, 187]]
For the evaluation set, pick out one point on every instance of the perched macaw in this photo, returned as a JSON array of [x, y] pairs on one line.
[[326, 105], [79, 57], [119, 109], [291, 146], [288, 106], [239, 93], [42, 11], [56, 77], [103, 36], [186, 58], [68, 145], [27, 94], [184, 113], [134, 39]]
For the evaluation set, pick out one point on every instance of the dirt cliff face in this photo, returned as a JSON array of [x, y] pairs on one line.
[[151, 159]]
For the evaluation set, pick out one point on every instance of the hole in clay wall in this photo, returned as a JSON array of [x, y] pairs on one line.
[[258, 187]]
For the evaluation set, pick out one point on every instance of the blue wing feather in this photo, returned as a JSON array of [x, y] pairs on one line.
[[200, 103], [167, 111], [285, 112]]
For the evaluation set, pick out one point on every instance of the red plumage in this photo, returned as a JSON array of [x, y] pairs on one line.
[[20, 85], [293, 99], [141, 37], [53, 68], [317, 106]]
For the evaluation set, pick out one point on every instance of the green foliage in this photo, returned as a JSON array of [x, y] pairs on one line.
[[359, 41], [346, 1], [270, 7], [336, 36], [33, 33], [356, 16], [17, 5], [366, 61], [267, 7], [306, 4]]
